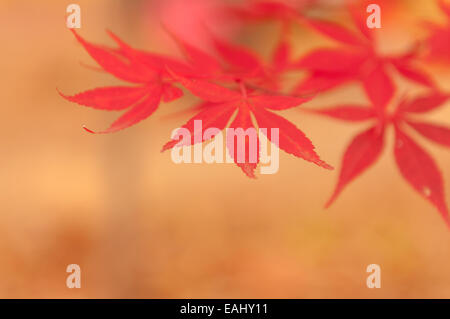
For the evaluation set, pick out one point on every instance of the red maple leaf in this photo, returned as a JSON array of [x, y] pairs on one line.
[[219, 104], [223, 103], [416, 166], [355, 59], [438, 42], [146, 71]]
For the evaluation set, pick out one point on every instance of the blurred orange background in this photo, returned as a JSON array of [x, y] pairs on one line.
[[141, 226]]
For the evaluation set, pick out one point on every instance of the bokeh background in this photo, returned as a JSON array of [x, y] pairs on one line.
[[141, 226]]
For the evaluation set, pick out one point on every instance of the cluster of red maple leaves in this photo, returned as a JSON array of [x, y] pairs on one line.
[[241, 90]]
